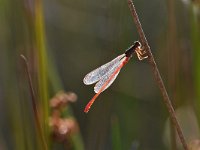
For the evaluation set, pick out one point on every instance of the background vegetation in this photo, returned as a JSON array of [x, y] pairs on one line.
[[64, 40]]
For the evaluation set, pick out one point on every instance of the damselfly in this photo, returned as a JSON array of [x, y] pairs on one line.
[[107, 73]]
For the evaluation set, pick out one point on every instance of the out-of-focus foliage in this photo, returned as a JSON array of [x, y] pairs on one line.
[[63, 40]]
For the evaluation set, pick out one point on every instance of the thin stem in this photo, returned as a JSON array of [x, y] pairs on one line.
[[41, 54], [157, 75], [33, 99]]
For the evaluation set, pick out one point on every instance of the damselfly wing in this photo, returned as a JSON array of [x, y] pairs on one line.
[[98, 73]]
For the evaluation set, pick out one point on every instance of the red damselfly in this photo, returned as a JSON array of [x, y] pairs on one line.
[[107, 73]]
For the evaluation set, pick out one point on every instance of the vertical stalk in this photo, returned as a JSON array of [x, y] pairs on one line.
[[42, 57], [195, 36], [35, 109], [157, 75], [42, 63]]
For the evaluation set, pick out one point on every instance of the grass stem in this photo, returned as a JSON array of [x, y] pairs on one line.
[[33, 99], [157, 75]]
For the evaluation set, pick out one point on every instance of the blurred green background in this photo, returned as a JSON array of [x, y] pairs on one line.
[[63, 40]]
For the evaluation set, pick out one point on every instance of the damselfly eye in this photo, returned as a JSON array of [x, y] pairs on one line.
[[137, 44], [132, 49]]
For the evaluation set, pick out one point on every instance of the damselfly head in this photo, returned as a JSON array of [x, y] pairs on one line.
[[137, 44], [132, 48]]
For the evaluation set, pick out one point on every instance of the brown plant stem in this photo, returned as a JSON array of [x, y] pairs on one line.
[[33, 99], [157, 75]]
